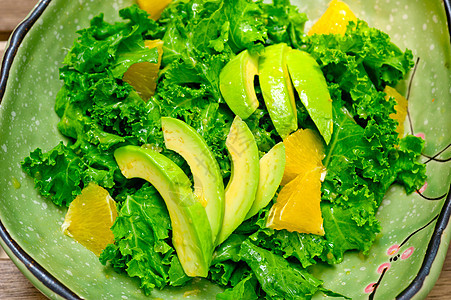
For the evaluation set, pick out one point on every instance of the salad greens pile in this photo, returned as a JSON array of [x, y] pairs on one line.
[[99, 113]]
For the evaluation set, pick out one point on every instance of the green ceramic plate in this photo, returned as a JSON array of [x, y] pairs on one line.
[[409, 252]]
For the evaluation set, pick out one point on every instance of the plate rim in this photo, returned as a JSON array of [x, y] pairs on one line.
[[15, 40], [49, 281]]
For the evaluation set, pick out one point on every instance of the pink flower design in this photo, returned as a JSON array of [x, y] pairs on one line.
[[370, 288], [406, 254], [423, 188], [421, 135], [384, 266], [393, 250]]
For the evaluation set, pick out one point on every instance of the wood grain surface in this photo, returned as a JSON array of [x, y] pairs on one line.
[[13, 284]]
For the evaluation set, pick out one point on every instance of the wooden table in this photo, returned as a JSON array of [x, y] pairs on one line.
[[13, 285]]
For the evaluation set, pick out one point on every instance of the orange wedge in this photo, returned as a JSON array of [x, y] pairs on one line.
[[298, 205], [143, 76], [400, 107], [153, 7], [334, 20], [304, 152], [90, 217]]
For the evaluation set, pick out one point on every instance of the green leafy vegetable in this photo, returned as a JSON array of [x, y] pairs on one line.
[[99, 113], [142, 245], [245, 289], [57, 173], [285, 24], [278, 278]]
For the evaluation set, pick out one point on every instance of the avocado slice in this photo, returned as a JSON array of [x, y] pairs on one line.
[[242, 187], [208, 182], [277, 89], [236, 82], [272, 167], [309, 81], [191, 232]]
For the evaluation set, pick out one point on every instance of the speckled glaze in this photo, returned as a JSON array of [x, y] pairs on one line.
[[28, 121]]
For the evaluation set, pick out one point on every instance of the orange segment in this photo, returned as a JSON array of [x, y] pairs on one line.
[[143, 76], [400, 107], [90, 217], [304, 151], [153, 7], [298, 205], [334, 20]]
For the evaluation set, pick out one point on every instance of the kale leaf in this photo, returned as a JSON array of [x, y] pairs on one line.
[[142, 245]]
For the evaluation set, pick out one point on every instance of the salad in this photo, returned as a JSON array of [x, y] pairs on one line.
[[199, 157]]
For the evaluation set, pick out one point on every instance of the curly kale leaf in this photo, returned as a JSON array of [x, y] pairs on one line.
[[57, 174], [143, 247], [279, 278], [369, 47], [285, 24]]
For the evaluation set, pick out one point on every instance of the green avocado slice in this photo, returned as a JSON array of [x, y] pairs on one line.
[[277, 89], [208, 182], [242, 187], [272, 166], [191, 232], [236, 82], [309, 81]]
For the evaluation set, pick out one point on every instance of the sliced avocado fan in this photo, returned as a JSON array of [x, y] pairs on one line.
[[279, 68]]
